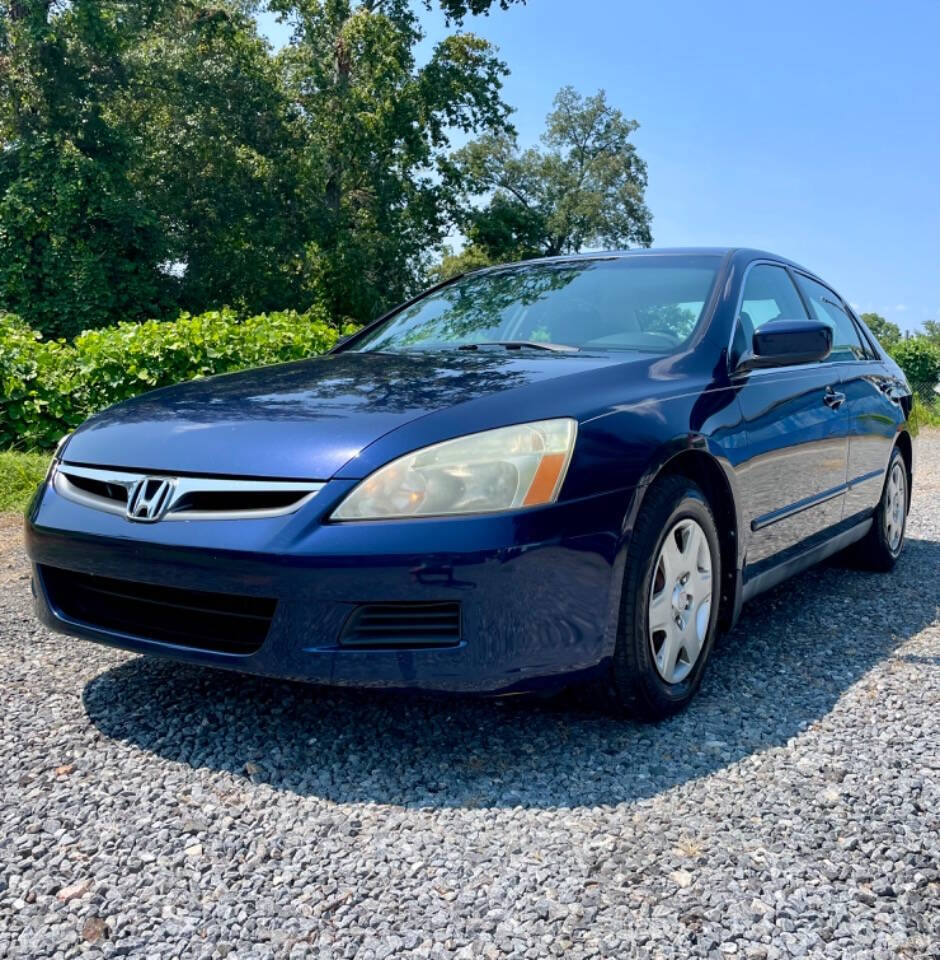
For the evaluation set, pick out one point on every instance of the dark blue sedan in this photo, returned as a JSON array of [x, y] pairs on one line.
[[570, 468]]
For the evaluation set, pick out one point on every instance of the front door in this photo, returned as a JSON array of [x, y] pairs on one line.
[[793, 477]]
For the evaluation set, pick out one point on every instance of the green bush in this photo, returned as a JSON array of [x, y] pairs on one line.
[[47, 388], [37, 385], [919, 358]]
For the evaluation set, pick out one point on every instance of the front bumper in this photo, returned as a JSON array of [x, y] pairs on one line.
[[538, 590]]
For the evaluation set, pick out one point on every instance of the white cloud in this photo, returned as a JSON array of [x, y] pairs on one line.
[[900, 307]]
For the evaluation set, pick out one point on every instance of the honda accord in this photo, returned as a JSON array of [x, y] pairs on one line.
[[564, 469]]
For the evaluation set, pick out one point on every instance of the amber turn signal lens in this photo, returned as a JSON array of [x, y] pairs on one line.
[[545, 482]]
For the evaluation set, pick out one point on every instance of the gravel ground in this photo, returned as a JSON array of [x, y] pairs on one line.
[[154, 810]]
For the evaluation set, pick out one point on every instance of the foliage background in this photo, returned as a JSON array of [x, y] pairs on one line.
[[160, 160], [20, 475], [160, 156], [47, 388]]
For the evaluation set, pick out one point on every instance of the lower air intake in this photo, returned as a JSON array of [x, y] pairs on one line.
[[221, 622], [402, 626]]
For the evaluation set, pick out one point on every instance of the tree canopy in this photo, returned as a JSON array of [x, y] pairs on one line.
[[157, 156], [458, 9], [584, 187], [375, 140], [889, 334], [932, 331], [219, 161], [77, 241]]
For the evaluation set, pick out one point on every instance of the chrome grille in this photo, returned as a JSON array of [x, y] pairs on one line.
[[188, 498]]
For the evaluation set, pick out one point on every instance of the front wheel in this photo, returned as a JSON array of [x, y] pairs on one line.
[[669, 607]]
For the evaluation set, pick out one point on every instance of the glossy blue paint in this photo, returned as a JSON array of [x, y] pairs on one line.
[[533, 586], [305, 419], [539, 588]]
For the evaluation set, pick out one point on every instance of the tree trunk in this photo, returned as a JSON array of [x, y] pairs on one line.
[[334, 183]]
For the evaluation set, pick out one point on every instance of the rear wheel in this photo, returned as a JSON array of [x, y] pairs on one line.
[[669, 607], [882, 545]]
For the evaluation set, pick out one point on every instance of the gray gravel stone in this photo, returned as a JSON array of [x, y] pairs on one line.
[[793, 811]]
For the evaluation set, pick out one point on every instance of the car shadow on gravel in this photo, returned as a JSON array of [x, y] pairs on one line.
[[795, 652]]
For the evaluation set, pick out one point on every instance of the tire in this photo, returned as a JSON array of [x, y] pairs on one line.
[[880, 548], [644, 684]]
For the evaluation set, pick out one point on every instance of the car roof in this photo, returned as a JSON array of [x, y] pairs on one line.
[[744, 253]]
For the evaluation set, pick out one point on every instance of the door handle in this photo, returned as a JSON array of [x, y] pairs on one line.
[[833, 399]]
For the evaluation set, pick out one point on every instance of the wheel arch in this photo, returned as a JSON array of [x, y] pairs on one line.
[[716, 481]]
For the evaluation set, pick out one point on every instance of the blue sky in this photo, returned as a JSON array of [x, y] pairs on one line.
[[809, 129]]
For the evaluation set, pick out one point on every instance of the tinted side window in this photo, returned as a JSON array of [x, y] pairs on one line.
[[769, 294], [869, 341], [825, 306]]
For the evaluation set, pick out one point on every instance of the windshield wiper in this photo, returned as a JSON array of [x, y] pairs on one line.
[[522, 345]]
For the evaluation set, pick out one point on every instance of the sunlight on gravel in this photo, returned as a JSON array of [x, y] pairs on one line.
[[157, 810]]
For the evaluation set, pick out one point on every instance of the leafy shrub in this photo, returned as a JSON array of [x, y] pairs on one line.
[[49, 387], [36, 387], [919, 358]]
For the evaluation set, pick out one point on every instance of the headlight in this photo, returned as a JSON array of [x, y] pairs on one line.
[[60, 446], [504, 469], [57, 455]]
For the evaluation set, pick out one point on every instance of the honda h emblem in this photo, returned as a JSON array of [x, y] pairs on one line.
[[149, 499]]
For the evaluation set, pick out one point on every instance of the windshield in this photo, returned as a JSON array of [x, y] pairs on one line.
[[648, 303]]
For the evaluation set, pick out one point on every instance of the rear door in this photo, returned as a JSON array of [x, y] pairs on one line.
[[793, 477], [873, 414]]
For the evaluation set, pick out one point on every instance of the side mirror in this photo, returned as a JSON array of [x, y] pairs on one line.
[[781, 343]]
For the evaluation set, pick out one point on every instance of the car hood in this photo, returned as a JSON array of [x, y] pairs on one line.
[[301, 420]]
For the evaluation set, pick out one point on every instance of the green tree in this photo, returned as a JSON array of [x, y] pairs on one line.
[[377, 189], [157, 155], [147, 163], [932, 331], [78, 245], [220, 160], [458, 9], [452, 264], [888, 333], [585, 186]]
